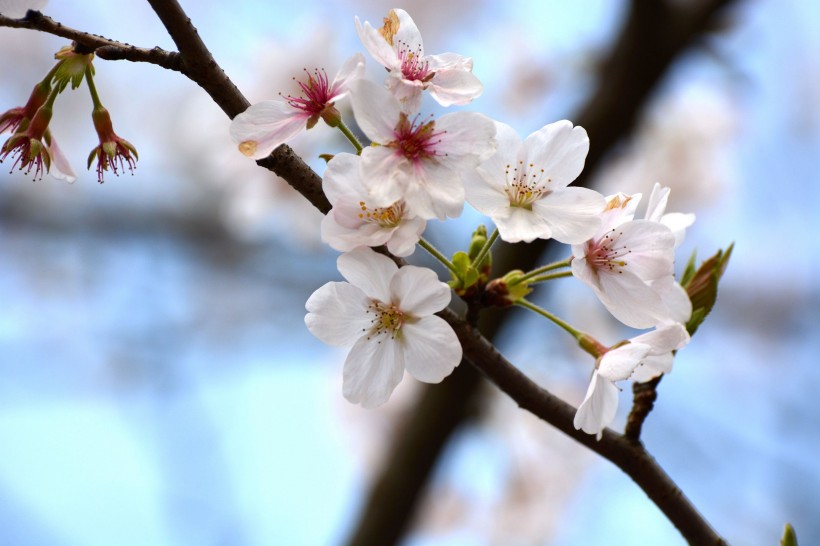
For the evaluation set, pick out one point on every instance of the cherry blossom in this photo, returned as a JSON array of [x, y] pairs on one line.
[[399, 48], [419, 161], [641, 358], [386, 315], [523, 187], [113, 152], [265, 125], [630, 266], [353, 222]]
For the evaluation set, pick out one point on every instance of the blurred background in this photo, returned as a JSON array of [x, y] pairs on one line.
[[158, 386]]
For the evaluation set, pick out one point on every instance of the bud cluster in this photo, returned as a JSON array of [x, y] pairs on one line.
[[32, 145]]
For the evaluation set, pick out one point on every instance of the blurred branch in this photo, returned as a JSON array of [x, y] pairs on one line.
[[104, 48], [654, 34]]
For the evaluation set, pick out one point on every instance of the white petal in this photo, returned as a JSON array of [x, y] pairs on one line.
[[384, 173], [657, 203], [484, 191], [675, 299], [677, 222], [337, 313], [573, 214], [664, 339], [516, 224], [560, 149], [466, 135], [449, 87], [619, 363], [372, 370], [344, 238], [651, 246], [418, 291], [433, 190], [60, 167], [351, 70], [342, 178], [432, 349], [598, 408], [268, 124], [408, 33], [630, 299], [449, 61], [408, 92], [369, 271], [403, 240], [377, 46], [652, 366], [377, 111], [485, 186]]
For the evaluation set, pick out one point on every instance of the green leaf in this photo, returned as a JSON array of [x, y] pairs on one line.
[[689, 272], [702, 286]]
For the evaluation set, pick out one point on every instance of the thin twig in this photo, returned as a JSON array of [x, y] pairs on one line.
[[103, 47]]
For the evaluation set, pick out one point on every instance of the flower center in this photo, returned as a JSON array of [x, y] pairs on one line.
[[316, 93], [526, 184], [387, 319], [412, 66], [415, 140], [606, 254], [385, 217]]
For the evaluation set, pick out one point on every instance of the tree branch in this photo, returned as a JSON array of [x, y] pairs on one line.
[[103, 47], [653, 37]]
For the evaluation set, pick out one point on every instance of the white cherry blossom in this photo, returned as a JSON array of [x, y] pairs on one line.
[[640, 359], [630, 266], [386, 314], [398, 46], [419, 161], [523, 186], [353, 222], [265, 125]]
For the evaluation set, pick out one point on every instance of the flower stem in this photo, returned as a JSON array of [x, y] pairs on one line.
[[551, 276], [351, 137], [423, 243], [92, 89], [577, 334], [543, 269], [46, 83], [486, 248]]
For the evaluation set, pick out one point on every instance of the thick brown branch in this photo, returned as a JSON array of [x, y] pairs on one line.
[[198, 63], [103, 47]]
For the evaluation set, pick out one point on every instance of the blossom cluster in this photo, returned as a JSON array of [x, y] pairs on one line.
[[418, 168], [32, 145]]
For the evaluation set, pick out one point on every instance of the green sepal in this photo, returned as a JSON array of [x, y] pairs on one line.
[[467, 276]]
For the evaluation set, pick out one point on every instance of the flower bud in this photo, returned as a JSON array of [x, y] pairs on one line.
[[507, 290]]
